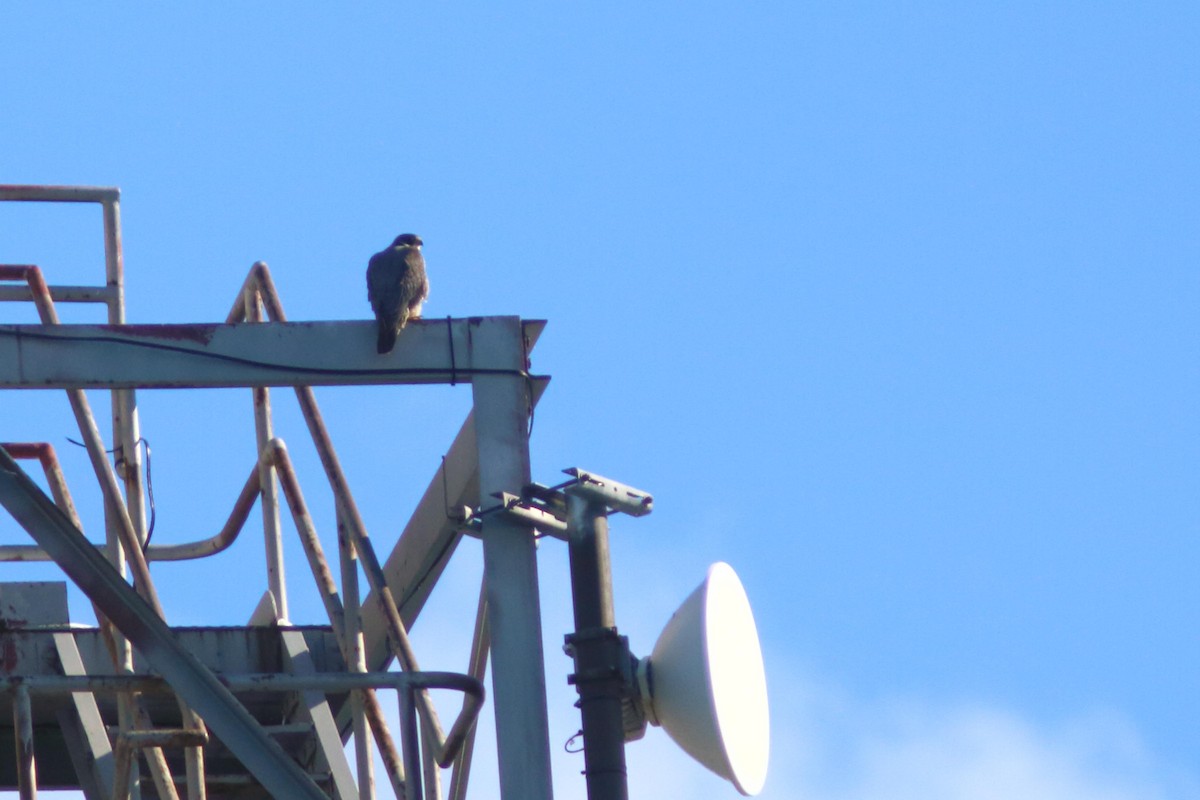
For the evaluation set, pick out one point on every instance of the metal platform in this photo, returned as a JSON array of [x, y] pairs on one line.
[[227, 651]]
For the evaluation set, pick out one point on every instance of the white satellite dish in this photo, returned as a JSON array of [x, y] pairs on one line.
[[704, 683]]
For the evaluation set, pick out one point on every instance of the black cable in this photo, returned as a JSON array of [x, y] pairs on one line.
[[450, 338], [150, 493], [528, 381]]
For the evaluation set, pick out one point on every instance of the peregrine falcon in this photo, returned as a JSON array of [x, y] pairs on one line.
[[396, 287]]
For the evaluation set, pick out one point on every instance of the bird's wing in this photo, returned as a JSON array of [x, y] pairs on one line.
[[385, 275], [413, 285]]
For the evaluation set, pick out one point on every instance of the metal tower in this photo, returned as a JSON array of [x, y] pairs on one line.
[[137, 707]]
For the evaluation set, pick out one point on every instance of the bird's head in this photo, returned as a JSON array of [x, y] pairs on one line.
[[407, 240]]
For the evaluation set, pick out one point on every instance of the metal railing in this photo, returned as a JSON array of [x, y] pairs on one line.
[[126, 543], [125, 519]]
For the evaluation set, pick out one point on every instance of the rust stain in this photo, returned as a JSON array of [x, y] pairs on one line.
[[9, 660], [14, 272], [27, 450]]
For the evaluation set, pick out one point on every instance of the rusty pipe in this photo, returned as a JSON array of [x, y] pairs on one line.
[[43, 452], [202, 548], [223, 538], [62, 294]]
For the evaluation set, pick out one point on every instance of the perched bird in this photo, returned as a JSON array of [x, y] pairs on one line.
[[396, 287]]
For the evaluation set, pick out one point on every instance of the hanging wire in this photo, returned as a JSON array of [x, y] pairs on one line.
[[149, 492], [525, 346], [450, 338], [143, 441]]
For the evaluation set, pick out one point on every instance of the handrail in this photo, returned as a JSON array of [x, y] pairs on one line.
[[124, 520], [59, 194], [220, 541], [202, 548]]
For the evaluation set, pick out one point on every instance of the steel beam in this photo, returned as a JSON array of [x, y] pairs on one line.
[[431, 536], [503, 403], [429, 539], [258, 354], [316, 707], [79, 755], [98, 754]]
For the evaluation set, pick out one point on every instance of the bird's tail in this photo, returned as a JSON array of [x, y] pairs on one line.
[[387, 338], [388, 330]]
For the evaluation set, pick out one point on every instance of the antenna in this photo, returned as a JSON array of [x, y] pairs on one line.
[[704, 682]]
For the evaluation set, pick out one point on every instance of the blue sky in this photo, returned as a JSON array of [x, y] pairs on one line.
[[891, 307]]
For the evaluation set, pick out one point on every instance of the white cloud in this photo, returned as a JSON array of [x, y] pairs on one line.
[[829, 746], [828, 742]]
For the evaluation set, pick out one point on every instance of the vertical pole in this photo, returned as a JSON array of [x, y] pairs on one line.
[[591, 569], [121, 773], [502, 404], [480, 644], [114, 259], [114, 279], [272, 534], [597, 650], [126, 434], [124, 401], [410, 743], [26, 765], [355, 660]]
